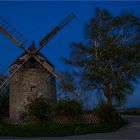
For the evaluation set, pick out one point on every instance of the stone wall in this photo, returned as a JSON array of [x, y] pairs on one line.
[[29, 82]]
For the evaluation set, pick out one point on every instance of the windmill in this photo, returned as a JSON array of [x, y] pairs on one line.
[[32, 74]]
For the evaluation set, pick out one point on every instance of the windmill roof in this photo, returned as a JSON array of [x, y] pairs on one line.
[[33, 48]]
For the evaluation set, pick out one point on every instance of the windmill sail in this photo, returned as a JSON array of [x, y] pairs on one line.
[[47, 66], [55, 30], [10, 32], [7, 81]]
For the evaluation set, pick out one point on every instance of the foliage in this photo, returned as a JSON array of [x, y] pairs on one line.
[[4, 105], [68, 108], [107, 113], [109, 60], [4, 97], [70, 88], [38, 107], [53, 130]]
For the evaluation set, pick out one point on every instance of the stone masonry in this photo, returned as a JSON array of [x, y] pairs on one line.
[[30, 81]]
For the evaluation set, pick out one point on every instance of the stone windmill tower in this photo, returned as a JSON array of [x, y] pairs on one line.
[[32, 74], [32, 80]]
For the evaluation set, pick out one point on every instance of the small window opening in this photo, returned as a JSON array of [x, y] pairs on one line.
[[34, 90]]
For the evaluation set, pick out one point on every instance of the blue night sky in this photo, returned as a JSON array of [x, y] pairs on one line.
[[35, 19]]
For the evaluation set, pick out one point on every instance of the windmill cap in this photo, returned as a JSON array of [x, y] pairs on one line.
[[32, 48]]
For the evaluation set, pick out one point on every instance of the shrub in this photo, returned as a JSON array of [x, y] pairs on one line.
[[23, 115], [4, 106], [39, 108], [69, 108], [107, 112]]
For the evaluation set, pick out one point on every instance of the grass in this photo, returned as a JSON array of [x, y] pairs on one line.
[[47, 129]]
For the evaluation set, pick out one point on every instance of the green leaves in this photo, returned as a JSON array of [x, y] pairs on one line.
[[110, 60]]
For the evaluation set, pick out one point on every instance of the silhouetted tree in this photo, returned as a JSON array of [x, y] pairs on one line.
[[110, 58], [69, 88]]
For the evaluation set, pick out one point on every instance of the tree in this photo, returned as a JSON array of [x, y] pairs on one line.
[[107, 113], [4, 97], [70, 89], [110, 58]]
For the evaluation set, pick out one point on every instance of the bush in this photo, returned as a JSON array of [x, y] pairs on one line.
[[107, 113], [23, 115], [69, 108], [38, 107], [4, 105]]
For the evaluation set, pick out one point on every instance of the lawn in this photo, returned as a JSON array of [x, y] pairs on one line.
[[48, 129]]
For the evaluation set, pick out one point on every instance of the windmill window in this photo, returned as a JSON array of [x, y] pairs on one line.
[[34, 90]]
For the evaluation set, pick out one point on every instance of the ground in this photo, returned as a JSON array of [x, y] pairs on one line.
[[130, 131]]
